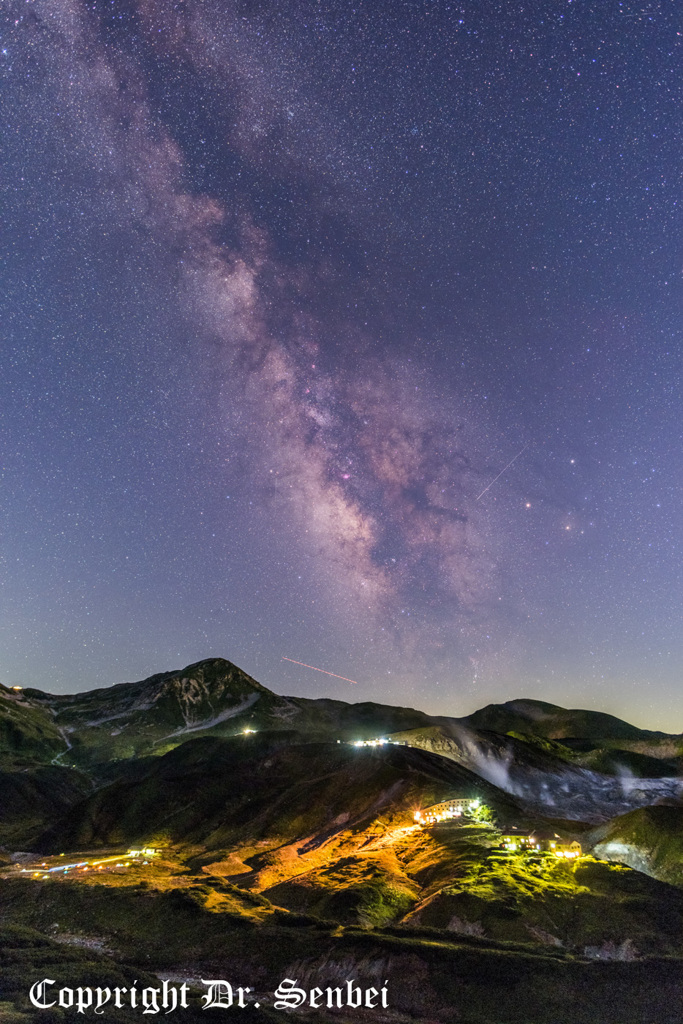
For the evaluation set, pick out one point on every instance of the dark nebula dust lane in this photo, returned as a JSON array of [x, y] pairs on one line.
[[349, 331]]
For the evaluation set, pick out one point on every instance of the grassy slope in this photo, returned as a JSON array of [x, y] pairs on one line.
[[325, 832], [458, 886], [570, 906], [28, 734], [649, 839], [328, 830]]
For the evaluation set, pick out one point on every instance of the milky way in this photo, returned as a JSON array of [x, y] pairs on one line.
[[347, 332]]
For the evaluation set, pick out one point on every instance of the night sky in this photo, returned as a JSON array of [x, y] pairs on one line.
[[346, 332]]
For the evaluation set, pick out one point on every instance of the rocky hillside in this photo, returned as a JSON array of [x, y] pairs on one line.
[[133, 719]]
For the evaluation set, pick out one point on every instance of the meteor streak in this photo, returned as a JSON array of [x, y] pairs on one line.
[[354, 681], [502, 471]]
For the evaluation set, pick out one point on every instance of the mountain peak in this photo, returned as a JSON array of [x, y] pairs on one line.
[[214, 670], [166, 708]]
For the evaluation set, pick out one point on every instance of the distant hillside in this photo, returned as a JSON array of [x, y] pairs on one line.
[[216, 697], [586, 739], [132, 719], [537, 718]]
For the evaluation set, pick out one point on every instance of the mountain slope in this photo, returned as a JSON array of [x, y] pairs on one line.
[[214, 790], [132, 719], [537, 718], [569, 764], [216, 697], [210, 697], [33, 796], [293, 853], [328, 830]]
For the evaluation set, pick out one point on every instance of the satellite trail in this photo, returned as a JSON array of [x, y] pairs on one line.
[[354, 681], [502, 471]]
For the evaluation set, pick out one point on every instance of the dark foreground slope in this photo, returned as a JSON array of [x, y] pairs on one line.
[[212, 791], [31, 797]]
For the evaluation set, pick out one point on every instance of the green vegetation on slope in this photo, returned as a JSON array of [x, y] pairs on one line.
[[28, 734], [297, 854], [649, 839]]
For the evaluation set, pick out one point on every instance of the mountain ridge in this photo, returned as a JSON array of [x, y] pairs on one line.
[[579, 764], [537, 718]]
